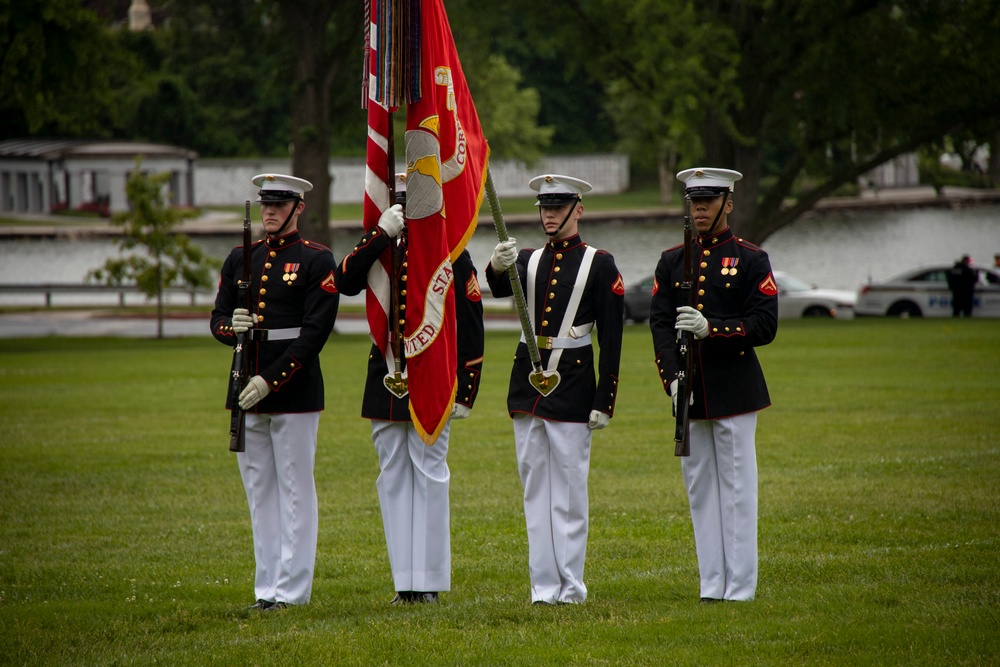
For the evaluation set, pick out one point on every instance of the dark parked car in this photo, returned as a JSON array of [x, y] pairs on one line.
[[637, 298]]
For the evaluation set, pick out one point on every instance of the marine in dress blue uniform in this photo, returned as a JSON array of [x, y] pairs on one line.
[[737, 311], [414, 479], [295, 309], [571, 289]]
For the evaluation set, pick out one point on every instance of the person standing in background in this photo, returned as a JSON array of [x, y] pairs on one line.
[[962, 283]]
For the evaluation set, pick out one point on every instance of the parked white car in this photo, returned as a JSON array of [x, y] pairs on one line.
[[924, 292], [798, 298]]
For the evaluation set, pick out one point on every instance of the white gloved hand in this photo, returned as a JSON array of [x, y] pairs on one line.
[[459, 411], [504, 255], [598, 420], [391, 220], [673, 396], [242, 320], [254, 392], [689, 319]]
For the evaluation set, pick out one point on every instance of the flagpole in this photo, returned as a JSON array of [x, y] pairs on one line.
[[395, 381], [543, 381]]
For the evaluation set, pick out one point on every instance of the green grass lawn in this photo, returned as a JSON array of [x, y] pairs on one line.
[[125, 537]]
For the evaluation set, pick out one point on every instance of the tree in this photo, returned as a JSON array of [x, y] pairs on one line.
[[59, 70], [214, 79], [327, 40], [170, 258], [506, 111], [529, 95], [801, 96]]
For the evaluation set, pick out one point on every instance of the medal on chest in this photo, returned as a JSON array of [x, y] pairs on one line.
[[291, 273], [729, 265]]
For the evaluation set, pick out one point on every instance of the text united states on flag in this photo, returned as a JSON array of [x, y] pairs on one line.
[[446, 159]]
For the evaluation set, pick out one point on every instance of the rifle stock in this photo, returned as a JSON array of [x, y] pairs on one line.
[[242, 354], [682, 425]]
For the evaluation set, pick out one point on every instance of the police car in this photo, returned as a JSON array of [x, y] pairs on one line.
[[924, 292]]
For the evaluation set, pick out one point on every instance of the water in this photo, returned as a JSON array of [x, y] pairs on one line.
[[840, 251], [836, 251]]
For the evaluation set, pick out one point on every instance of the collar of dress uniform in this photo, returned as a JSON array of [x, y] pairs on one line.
[[281, 241], [706, 241], [565, 244]]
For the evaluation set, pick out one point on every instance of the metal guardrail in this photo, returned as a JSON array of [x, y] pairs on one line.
[[49, 289]]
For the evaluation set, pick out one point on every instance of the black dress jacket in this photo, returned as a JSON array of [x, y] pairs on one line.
[[292, 283], [352, 278], [603, 303], [736, 293]]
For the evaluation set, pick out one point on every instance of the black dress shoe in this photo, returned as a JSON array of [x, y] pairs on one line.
[[402, 597], [261, 604], [422, 597], [710, 600], [276, 606]]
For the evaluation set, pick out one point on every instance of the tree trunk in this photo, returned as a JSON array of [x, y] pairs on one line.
[[311, 114], [159, 299], [666, 168], [993, 167], [724, 152]]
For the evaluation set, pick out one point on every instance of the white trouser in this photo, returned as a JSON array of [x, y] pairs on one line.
[[413, 494], [721, 480], [277, 472], [553, 459]]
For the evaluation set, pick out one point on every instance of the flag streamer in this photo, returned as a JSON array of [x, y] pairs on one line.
[[392, 52]]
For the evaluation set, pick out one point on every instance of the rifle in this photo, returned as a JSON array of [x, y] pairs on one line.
[[682, 428], [242, 354]]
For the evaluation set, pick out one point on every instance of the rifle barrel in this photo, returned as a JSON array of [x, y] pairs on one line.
[[241, 354], [682, 429]]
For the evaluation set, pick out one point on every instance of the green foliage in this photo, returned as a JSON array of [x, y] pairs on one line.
[[168, 258], [126, 538], [59, 70], [507, 112], [792, 93], [802, 96], [216, 80], [542, 50]]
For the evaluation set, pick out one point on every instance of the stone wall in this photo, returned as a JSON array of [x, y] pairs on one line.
[[227, 182]]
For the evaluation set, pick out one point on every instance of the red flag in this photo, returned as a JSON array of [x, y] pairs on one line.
[[446, 159]]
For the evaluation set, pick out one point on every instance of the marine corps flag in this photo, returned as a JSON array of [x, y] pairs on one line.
[[446, 157], [413, 58]]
